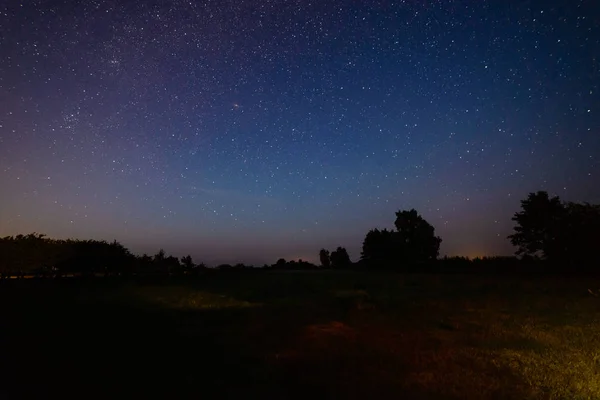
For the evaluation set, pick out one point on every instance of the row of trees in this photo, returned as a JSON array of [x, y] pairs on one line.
[[338, 259], [547, 230], [39, 255], [548, 233], [559, 235], [413, 242]]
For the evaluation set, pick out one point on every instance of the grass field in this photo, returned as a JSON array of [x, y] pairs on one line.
[[297, 335]]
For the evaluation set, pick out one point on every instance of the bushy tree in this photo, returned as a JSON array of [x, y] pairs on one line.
[[144, 264], [417, 237], [160, 256], [381, 246], [324, 258], [172, 265], [187, 265], [163, 264], [413, 242], [281, 263], [538, 225], [340, 258], [562, 233]]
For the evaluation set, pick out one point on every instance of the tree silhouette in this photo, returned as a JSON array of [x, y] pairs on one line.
[[417, 237], [340, 258], [413, 242], [187, 262], [160, 263], [144, 264], [562, 233], [173, 266], [160, 256], [381, 246], [44, 257], [538, 226], [324, 258], [187, 265]]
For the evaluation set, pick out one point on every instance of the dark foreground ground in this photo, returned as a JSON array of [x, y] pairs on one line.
[[286, 335]]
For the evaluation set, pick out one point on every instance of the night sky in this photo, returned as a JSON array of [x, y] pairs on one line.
[[245, 131]]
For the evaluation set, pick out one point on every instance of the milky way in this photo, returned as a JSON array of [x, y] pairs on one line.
[[245, 131]]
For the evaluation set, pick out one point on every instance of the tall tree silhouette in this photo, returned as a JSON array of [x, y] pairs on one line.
[[538, 226], [324, 258], [417, 237], [187, 264]]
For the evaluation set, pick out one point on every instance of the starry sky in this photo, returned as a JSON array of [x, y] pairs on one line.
[[245, 131]]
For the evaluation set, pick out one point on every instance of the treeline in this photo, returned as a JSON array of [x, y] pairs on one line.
[[550, 235], [40, 256], [36, 254]]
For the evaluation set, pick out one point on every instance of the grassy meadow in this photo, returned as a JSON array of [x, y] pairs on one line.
[[293, 335]]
